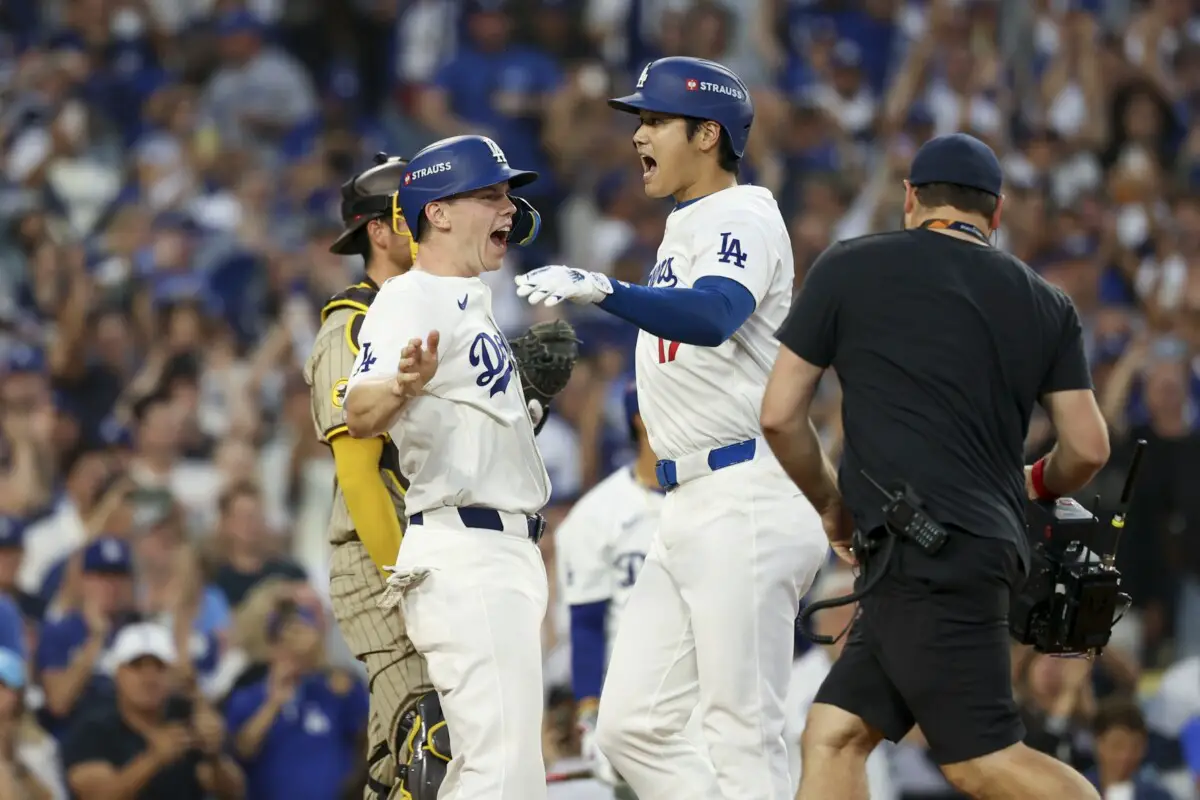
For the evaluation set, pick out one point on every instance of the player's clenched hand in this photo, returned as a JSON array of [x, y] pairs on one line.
[[551, 285], [418, 363]]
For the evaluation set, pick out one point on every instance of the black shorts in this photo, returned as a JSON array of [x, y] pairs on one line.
[[931, 646]]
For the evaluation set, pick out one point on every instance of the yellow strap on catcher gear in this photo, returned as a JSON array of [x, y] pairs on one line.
[[356, 298], [424, 756], [400, 225]]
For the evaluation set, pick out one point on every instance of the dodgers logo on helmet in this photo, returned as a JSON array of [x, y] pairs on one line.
[[694, 87], [454, 166]]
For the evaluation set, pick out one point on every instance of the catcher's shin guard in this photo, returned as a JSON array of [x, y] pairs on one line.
[[425, 746]]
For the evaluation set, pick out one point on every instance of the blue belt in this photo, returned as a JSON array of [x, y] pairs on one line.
[[489, 519], [672, 473]]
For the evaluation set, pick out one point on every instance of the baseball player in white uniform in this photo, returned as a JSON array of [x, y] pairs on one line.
[[601, 546], [710, 622], [436, 374]]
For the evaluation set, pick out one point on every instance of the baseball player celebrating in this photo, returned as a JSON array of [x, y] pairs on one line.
[[601, 546], [368, 500], [710, 621], [435, 373]]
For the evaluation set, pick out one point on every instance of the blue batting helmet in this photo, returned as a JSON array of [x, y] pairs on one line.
[[694, 87], [454, 166]]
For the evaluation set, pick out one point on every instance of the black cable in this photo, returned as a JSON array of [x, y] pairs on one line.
[[884, 557]]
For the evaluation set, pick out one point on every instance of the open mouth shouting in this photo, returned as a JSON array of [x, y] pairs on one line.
[[649, 168], [499, 237]]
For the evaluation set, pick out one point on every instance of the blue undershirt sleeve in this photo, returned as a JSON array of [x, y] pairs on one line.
[[589, 648], [705, 315]]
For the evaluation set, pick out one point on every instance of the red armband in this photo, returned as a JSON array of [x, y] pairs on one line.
[[1037, 478]]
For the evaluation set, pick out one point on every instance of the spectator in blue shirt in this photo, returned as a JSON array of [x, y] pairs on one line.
[[70, 650], [298, 731], [1120, 734]]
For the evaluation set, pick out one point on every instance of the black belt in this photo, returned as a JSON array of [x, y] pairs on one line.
[[489, 519]]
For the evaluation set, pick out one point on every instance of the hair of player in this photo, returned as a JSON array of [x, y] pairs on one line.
[[726, 159], [961, 198]]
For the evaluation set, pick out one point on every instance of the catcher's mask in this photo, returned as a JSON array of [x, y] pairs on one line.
[[368, 196]]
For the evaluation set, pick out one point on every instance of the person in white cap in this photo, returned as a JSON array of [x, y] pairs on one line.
[[151, 744]]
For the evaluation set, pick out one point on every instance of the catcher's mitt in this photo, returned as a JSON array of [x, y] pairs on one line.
[[545, 355]]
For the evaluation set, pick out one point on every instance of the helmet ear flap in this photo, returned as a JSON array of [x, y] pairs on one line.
[[359, 243]]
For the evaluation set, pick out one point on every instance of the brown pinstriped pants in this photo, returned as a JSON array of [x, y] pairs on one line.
[[395, 671]]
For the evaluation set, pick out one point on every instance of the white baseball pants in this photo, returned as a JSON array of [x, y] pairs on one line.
[[477, 620], [710, 626]]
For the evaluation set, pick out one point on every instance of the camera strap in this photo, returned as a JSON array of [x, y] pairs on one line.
[[955, 225]]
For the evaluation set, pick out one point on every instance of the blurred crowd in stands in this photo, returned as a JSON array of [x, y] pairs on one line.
[[169, 188]]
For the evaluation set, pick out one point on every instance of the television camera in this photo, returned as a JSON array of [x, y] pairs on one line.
[[1072, 597]]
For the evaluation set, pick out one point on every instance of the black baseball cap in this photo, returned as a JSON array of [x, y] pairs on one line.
[[957, 158]]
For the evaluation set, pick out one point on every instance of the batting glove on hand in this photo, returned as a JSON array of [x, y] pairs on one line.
[[551, 285]]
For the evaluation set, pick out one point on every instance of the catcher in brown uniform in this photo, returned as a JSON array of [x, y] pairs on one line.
[[406, 726]]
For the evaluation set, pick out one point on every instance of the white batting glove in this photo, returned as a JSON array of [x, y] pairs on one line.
[[551, 285]]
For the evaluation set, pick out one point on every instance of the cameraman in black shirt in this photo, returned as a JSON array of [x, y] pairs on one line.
[[942, 345]]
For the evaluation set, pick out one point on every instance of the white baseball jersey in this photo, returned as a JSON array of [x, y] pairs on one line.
[[468, 439], [602, 544], [696, 398]]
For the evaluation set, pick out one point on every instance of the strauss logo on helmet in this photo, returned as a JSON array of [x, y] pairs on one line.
[[692, 84]]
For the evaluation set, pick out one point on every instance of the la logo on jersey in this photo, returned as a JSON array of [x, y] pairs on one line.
[[491, 353], [731, 250], [368, 359]]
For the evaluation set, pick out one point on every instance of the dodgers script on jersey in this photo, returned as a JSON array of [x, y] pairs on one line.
[[697, 398], [468, 440], [603, 542]]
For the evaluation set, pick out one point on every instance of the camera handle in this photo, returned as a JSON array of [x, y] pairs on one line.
[[1118, 519]]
